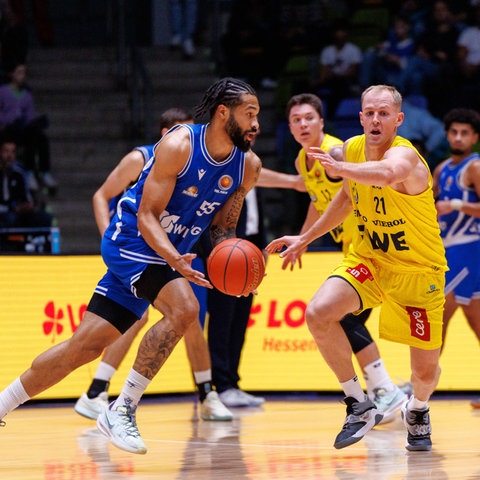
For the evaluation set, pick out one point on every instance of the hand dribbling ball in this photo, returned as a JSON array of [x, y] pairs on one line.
[[236, 267]]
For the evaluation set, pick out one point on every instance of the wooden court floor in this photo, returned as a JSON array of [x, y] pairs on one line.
[[290, 437]]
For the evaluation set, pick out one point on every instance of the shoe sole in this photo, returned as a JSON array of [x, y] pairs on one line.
[[210, 418], [236, 405], [122, 446], [354, 439], [417, 448], [85, 413], [254, 401], [243, 405]]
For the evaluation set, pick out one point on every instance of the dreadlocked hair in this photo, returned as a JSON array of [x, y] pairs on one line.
[[227, 91]]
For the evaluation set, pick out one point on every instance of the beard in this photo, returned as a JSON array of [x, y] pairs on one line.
[[237, 135], [456, 151]]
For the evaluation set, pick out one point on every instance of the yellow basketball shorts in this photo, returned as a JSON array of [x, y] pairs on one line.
[[411, 302]]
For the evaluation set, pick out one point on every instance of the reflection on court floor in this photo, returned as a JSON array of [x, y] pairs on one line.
[[290, 437]]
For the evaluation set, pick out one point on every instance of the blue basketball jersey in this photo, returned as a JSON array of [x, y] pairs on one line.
[[457, 228], [147, 152], [202, 187]]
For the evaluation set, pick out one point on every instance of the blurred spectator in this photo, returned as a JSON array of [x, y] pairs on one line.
[[436, 57], [423, 129], [416, 12], [19, 120], [183, 22], [303, 25], [338, 69], [41, 18], [251, 44], [387, 63], [13, 38], [460, 10], [469, 49], [17, 207]]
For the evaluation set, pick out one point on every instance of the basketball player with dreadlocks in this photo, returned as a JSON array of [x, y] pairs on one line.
[[197, 178]]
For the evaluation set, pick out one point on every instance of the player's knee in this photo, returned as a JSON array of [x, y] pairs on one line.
[[356, 332], [316, 316], [426, 374], [187, 312]]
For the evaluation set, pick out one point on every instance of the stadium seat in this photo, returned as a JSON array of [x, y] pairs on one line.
[[346, 119], [417, 100]]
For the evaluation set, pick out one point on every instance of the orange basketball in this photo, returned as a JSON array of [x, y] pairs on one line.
[[236, 266]]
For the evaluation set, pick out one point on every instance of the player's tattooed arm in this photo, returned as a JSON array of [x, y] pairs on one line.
[[219, 234], [224, 224]]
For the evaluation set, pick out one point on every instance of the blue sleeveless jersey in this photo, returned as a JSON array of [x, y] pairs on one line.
[[147, 152], [202, 187], [457, 228]]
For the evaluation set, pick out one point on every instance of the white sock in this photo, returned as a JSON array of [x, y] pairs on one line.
[[415, 404], [132, 391], [105, 372], [13, 396], [376, 376], [352, 388], [202, 376]]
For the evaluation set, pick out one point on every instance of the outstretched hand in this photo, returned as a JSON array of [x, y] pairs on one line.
[[331, 165], [183, 265], [293, 253]]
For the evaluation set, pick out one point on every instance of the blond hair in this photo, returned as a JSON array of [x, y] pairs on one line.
[[396, 95]]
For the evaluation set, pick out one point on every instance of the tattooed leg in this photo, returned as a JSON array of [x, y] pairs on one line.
[[155, 347]]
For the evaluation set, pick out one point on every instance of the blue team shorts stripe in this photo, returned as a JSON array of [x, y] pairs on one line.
[[140, 257]]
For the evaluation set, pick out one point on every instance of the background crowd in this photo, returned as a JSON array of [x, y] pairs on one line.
[[429, 50], [25, 168]]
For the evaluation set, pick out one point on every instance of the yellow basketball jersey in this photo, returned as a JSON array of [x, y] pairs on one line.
[[394, 229], [322, 189]]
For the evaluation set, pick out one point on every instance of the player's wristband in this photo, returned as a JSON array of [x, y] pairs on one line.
[[456, 204]]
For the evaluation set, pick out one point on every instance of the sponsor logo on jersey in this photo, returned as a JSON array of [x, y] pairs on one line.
[[191, 191], [360, 273], [419, 324], [448, 183], [225, 182], [432, 289], [355, 194], [172, 225], [201, 173]]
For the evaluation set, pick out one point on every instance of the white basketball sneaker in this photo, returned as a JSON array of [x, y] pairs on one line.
[[91, 407], [213, 409], [120, 426]]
